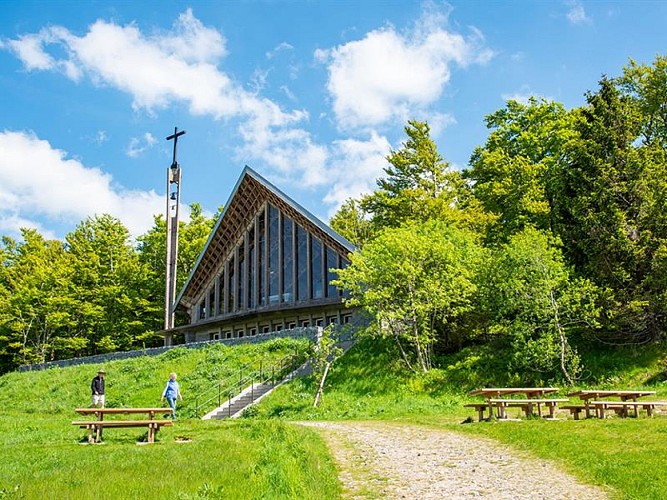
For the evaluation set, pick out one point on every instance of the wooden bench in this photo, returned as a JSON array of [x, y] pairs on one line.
[[575, 410], [95, 426], [526, 405], [621, 407], [480, 407]]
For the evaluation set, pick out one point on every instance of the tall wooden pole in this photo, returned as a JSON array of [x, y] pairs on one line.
[[173, 203]]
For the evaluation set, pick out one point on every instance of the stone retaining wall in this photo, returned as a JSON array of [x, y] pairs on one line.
[[310, 332]]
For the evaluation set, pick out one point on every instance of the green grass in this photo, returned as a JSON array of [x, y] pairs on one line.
[[264, 456], [44, 456], [625, 455]]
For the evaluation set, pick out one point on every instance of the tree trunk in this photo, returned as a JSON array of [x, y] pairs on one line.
[[320, 390]]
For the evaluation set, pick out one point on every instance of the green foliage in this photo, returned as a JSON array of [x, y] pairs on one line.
[[513, 173], [531, 298], [411, 278], [350, 222]]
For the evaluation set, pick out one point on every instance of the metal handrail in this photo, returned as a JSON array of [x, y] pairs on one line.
[[234, 384]]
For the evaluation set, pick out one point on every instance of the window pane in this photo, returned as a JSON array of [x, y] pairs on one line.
[[211, 303], [262, 265], [274, 240], [221, 293], [231, 304], [251, 268], [240, 297], [316, 269], [288, 259], [302, 263], [332, 263]]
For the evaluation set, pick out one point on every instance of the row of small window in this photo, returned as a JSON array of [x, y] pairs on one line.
[[296, 266], [252, 331]]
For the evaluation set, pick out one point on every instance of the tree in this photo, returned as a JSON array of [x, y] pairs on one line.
[[612, 210], [532, 299], [110, 286], [419, 184], [350, 222], [36, 307], [513, 174], [413, 279]]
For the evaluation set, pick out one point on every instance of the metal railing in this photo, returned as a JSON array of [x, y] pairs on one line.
[[249, 375]]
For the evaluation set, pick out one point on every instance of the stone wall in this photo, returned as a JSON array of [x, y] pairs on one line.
[[310, 332]]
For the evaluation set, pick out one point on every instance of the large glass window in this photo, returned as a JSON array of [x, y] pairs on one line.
[[288, 259], [221, 294], [316, 268], [274, 241], [302, 263], [251, 268], [261, 244], [211, 302], [240, 280], [231, 303], [332, 263]]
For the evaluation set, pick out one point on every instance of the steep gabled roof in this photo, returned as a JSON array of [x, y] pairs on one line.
[[250, 192]]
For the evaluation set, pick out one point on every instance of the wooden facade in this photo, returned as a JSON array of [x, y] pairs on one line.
[[266, 266]]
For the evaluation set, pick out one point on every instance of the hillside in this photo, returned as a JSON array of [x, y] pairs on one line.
[[264, 455]]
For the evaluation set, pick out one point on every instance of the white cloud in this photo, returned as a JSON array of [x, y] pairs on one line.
[[179, 66], [138, 145], [279, 48], [29, 49], [387, 74], [576, 13], [355, 166], [39, 182]]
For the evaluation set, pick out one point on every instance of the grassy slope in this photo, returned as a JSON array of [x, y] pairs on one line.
[[265, 457], [626, 455], [42, 455]]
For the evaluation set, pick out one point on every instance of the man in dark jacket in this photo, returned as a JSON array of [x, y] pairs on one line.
[[97, 387]]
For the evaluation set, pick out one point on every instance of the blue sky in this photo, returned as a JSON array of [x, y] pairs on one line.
[[311, 94]]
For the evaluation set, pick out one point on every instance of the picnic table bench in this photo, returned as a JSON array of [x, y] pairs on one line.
[[95, 426], [533, 399], [593, 401]]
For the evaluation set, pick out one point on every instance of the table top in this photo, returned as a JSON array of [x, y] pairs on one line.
[[89, 411], [594, 393], [500, 391]]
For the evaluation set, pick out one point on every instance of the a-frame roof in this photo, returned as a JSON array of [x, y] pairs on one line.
[[250, 193]]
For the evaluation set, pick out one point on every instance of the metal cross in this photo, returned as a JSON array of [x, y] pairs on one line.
[[175, 137]]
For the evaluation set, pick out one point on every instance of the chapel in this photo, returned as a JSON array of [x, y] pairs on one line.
[[266, 266]]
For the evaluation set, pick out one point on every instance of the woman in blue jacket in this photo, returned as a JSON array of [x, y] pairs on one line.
[[172, 392]]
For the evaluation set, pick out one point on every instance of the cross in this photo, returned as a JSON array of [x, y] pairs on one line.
[[175, 137]]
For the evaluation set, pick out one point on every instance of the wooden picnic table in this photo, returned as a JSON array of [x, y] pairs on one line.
[[96, 426], [495, 397], [628, 398]]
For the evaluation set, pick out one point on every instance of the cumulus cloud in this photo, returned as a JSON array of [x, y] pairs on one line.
[[576, 13], [38, 181], [366, 158], [388, 74], [159, 69]]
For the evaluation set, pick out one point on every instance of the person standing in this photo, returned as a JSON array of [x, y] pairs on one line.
[[172, 392], [97, 386]]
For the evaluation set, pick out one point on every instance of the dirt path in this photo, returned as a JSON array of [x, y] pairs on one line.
[[386, 460]]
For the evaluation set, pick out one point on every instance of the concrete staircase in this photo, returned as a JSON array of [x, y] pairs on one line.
[[233, 408], [252, 394]]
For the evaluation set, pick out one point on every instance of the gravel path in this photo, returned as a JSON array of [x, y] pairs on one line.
[[387, 460]]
